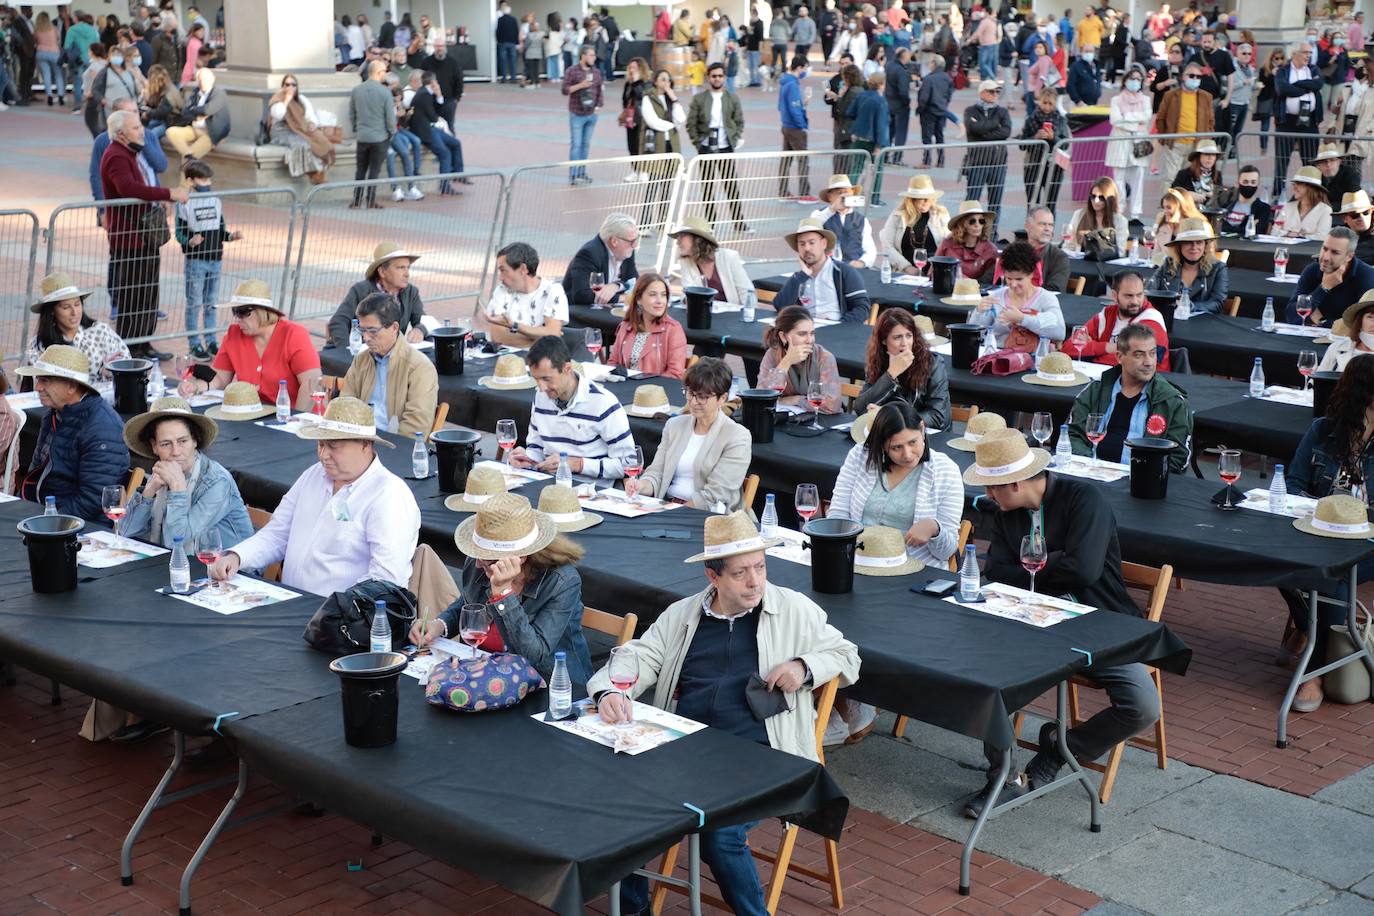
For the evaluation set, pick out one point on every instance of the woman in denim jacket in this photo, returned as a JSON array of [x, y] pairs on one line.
[[1334, 455]]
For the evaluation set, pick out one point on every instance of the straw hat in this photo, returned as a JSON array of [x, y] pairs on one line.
[[858, 430], [1308, 174], [1351, 316], [1205, 146], [840, 183], [344, 418], [1355, 202], [1337, 516], [729, 536], [882, 552], [511, 373], [561, 505], [979, 427], [505, 526], [695, 225], [59, 287], [650, 401], [241, 402], [967, 208], [927, 329], [385, 252], [920, 187], [255, 293], [811, 225], [1057, 371], [167, 408], [1338, 330], [966, 292], [1193, 229], [1328, 151], [61, 361], [1005, 458], [483, 484]]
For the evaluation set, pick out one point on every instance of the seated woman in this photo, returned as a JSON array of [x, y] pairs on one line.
[[263, 347], [1201, 177], [533, 593], [1021, 312], [162, 102], [1174, 207], [1192, 264], [917, 222], [292, 123], [649, 340], [1334, 456], [900, 367], [1359, 327], [853, 235], [704, 455], [1308, 214], [62, 319], [704, 263], [970, 240], [1101, 220], [794, 361], [186, 492]]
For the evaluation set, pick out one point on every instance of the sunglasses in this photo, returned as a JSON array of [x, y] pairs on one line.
[[242, 311], [289, 85], [977, 220], [1099, 196]]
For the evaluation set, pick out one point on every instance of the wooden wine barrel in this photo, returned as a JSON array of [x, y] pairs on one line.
[[674, 59]]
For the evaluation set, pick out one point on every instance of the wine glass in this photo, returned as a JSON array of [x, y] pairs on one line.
[[633, 464], [1228, 469], [1307, 364], [181, 366], [596, 280], [919, 259], [209, 548], [807, 501], [112, 504], [1033, 556], [1042, 427], [592, 338], [505, 437], [1280, 262], [623, 670], [319, 397], [815, 397], [473, 622], [1303, 306], [1096, 431], [1078, 340]]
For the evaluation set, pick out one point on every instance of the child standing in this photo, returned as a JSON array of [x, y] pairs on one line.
[[201, 233], [696, 72]]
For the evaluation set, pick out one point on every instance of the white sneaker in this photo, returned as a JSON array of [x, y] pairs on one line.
[[4, 107], [415, 194], [398, 195], [836, 731], [631, 178]]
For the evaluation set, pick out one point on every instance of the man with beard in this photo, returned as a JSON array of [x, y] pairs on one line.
[[1240, 203], [836, 290], [449, 74], [1338, 177], [1129, 307], [1335, 279], [1358, 213]]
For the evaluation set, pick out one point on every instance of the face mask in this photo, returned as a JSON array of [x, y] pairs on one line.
[[1192, 84], [1133, 85], [202, 188], [1089, 55], [1338, 41], [136, 147], [116, 60], [137, 61], [1367, 340], [1248, 191]]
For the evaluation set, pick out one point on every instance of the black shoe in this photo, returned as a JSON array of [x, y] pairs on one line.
[[138, 731], [1044, 767], [49, 101], [214, 348], [308, 809], [466, 181], [149, 352], [200, 354], [209, 756], [1010, 790]]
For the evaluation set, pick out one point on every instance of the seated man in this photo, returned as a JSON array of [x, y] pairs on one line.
[[1338, 177], [345, 519], [1335, 279], [612, 255], [1052, 273], [572, 414], [399, 382], [80, 447], [1129, 307], [388, 273], [828, 288], [1358, 215], [1134, 401], [1076, 522], [706, 648], [524, 306], [1243, 201]]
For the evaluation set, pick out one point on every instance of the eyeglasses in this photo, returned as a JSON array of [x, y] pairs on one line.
[[369, 333], [702, 396], [242, 311], [633, 243]]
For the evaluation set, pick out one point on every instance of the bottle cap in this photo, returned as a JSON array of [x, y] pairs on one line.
[[177, 540], [381, 605], [559, 656]]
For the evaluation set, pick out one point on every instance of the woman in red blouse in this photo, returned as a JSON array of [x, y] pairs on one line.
[[262, 347], [970, 240], [648, 340]]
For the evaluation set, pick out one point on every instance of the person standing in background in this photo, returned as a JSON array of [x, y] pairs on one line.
[[829, 26], [779, 33], [372, 114], [582, 85], [792, 110], [507, 41]]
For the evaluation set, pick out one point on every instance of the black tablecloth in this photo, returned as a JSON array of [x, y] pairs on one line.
[[1249, 254], [1253, 286], [1254, 425]]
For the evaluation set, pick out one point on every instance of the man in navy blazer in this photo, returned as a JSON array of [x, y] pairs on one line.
[[611, 254], [833, 290]]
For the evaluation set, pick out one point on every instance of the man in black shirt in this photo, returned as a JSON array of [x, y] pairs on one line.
[[1358, 213], [1084, 563], [1338, 178], [1219, 65]]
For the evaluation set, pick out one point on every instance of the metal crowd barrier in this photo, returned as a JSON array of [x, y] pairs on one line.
[[1262, 149], [18, 254]]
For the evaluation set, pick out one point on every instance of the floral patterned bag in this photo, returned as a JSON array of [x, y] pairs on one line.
[[496, 681]]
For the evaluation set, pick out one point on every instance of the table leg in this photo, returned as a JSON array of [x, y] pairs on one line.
[[126, 870], [210, 837], [694, 873], [1298, 677], [1062, 712], [993, 792], [614, 899]]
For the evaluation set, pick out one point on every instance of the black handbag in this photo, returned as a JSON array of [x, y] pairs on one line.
[[1142, 149], [152, 227], [1100, 245], [343, 623]]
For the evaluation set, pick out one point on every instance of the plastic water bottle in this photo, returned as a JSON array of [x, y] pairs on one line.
[[884, 270], [989, 344], [560, 687], [1278, 491], [768, 524], [746, 312], [180, 568], [283, 402], [1184, 309], [448, 322], [564, 476], [1063, 449], [808, 295], [1267, 317], [969, 586], [419, 458], [1257, 379], [355, 339], [50, 505], [1042, 349], [157, 384], [1250, 227], [380, 640]]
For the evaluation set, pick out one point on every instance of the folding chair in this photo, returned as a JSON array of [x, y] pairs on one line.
[[1076, 286], [749, 491], [440, 418], [622, 628], [260, 518]]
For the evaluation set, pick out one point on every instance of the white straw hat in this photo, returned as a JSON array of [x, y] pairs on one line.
[[60, 361], [482, 485], [1005, 458], [1056, 370], [241, 402], [505, 526], [561, 504], [980, 426], [1337, 516], [882, 552], [510, 373], [729, 536]]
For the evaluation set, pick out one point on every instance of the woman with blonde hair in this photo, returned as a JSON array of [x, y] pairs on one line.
[[917, 222], [1191, 263], [48, 54], [1308, 214], [1101, 219], [1174, 207], [162, 101], [649, 340]]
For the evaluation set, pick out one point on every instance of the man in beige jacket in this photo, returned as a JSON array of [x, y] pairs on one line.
[[396, 379], [699, 658]]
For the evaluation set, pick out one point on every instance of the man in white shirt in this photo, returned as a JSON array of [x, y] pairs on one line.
[[345, 519], [1297, 110], [524, 306], [828, 288], [715, 124]]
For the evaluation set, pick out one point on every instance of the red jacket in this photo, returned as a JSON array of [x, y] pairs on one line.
[[121, 177], [665, 352], [1101, 347]]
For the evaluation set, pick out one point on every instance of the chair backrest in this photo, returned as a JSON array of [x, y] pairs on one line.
[[621, 628], [260, 518], [825, 701], [1155, 580], [872, 314], [440, 418], [1224, 255], [765, 295], [1179, 361], [850, 390], [136, 478], [1232, 306], [963, 414], [1076, 285], [965, 529], [749, 491], [693, 360]]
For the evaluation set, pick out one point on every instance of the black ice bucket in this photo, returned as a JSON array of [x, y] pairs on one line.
[[833, 543], [942, 274], [52, 542], [455, 449], [1323, 383], [448, 349], [1150, 467], [964, 340], [130, 385], [699, 299], [370, 699], [759, 404], [1165, 302]]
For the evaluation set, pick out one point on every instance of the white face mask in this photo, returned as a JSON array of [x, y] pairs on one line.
[[1367, 339]]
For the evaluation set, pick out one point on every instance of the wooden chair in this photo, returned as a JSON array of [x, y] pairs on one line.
[[749, 491], [1157, 582], [1224, 255], [849, 391], [1232, 306], [765, 295], [136, 478], [693, 361], [782, 859], [260, 518], [622, 628], [872, 314], [333, 384], [440, 417], [963, 414], [1076, 286]]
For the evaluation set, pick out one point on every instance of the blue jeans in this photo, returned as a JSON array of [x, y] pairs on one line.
[[581, 128], [554, 65], [607, 67], [506, 56], [202, 293], [726, 853], [76, 84], [755, 61], [987, 62], [50, 67], [407, 145], [447, 150]]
